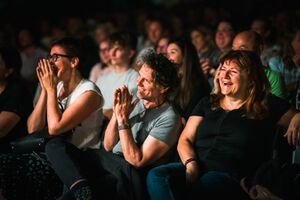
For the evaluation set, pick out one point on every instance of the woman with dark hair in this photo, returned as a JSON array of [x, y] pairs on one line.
[[216, 147], [15, 103], [193, 85], [68, 105]]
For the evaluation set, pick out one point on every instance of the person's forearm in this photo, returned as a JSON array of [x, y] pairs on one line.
[[37, 119], [111, 136], [53, 112], [185, 151], [131, 151], [8, 120]]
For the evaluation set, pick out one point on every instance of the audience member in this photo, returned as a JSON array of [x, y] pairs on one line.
[[30, 53], [224, 36], [208, 54], [122, 51], [286, 64], [193, 85], [103, 30], [216, 146], [202, 39], [104, 65], [139, 135], [251, 41], [59, 109], [66, 102], [296, 48], [270, 49], [162, 45], [154, 31], [15, 101]]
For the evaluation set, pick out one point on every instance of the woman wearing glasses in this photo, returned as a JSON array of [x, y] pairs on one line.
[[104, 65], [80, 122]]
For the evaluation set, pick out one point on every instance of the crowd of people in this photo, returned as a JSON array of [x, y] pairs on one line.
[[173, 113]]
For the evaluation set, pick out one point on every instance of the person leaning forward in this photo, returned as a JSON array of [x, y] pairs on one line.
[[141, 134]]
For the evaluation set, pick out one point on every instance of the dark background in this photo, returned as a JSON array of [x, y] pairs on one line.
[[18, 14], [32, 10]]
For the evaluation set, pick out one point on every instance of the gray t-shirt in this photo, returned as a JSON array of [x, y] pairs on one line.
[[110, 81], [162, 123]]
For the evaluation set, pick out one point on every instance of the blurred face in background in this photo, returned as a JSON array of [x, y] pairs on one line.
[[154, 31], [104, 52], [224, 35], [175, 54], [296, 43], [198, 40], [162, 46], [243, 42], [259, 27], [100, 34], [120, 55], [25, 38]]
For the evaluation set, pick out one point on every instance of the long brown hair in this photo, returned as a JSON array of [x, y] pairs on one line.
[[192, 77], [258, 85]]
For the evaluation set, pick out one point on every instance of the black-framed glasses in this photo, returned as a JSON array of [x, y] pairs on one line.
[[55, 56]]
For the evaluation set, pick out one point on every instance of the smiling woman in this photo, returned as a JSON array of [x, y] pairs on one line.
[[78, 127], [232, 80], [241, 78], [193, 85], [216, 145]]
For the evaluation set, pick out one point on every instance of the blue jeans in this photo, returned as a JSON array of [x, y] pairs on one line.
[[168, 182]]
